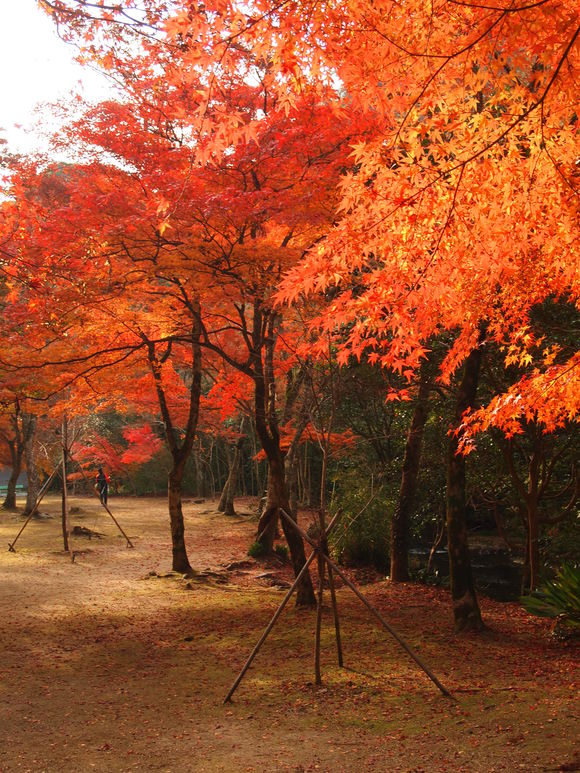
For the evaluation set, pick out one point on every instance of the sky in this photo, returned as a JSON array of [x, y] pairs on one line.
[[35, 67]]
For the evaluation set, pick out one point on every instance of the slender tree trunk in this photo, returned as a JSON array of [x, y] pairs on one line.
[[400, 525], [21, 429], [200, 488], [278, 498], [180, 561], [268, 523], [15, 447], [31, 469], [465, 605], [530, 493], [180, 451], [64, 517], [264, 343], [226, 503], [532, 564], [292, 468], [10, 498]]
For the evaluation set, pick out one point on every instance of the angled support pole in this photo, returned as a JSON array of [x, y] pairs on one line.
[[116, 522], [269, 627], [314, 555], [332, 566], [34, 510], [118, 525]]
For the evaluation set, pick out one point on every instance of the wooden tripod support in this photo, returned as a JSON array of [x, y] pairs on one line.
[[129, 543], [41, 494], [320, 552], [34, 510]]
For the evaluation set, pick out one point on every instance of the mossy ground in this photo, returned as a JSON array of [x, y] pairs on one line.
[[108, 665]]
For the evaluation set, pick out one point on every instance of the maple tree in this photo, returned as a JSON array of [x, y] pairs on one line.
[[105, 315], [463, 206], [458, 209]]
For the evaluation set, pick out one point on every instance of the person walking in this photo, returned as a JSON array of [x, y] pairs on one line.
[[102, 486]]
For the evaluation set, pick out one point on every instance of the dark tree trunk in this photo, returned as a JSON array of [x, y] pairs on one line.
[[264, 338], [64, 513], [31, 469], [292, 478], [465, 606], [22, 436], [180, 561], [180, 442], [10, 498], [269, 518], [278, 498], [226, 503], [400, 525]]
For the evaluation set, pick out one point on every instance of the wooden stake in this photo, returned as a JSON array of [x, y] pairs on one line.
[[129, 543], [388, 627], [65, 529], [34, 510], [321, 567], [335, 615], [269, 627]]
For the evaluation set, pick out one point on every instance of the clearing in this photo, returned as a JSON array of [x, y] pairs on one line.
[[108, 665]]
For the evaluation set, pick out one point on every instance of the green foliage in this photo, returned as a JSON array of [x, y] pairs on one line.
[[257, 550], [281, 551], [559, 597], [362, 534]]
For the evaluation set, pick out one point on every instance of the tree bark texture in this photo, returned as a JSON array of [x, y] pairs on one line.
[[16, 460], [180, 560], [264, 344], [31, 468], [465, 605], [226, 503]]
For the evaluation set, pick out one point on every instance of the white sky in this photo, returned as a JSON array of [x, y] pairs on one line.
[[35, 67]]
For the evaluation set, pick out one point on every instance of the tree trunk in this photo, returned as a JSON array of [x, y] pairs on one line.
[[180, 452], [31, 469], [400, 524], [465, 606], [269, 515], [226, 503], [64, 515], [180, 561], [268, 431], [532, 561], [292, 478], [278, 498], [10, 499]]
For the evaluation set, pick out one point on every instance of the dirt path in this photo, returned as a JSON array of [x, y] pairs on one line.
[[105, 666]]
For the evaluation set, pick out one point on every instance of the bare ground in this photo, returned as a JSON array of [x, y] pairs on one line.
[[107, 665]]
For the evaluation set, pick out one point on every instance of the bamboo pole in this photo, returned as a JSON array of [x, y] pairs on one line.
[[118, 525], [321, 567], [335, 613]]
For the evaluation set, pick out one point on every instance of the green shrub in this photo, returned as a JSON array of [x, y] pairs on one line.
[[257, 550], [361, 536], [558, 598], [281, 551]]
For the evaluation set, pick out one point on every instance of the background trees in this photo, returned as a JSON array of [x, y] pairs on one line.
[[389, 184]]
